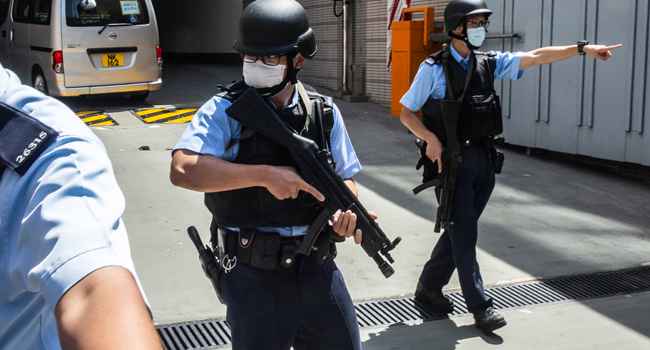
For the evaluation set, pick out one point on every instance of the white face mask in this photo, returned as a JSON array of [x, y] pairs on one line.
[[476, 36], [259, 75]]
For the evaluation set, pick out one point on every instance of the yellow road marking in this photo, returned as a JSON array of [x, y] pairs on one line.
[[150, 111], [92, 119], [167, 115], [179, 120], [108, 122], [81, 114]]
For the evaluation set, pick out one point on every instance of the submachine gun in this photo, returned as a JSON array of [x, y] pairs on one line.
[[251, 110], [451, 157]]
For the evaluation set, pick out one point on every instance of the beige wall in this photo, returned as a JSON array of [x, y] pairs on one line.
[[366, 44]]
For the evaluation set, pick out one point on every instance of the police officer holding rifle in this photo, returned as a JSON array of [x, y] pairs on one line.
[[274, 250], [454, 89]]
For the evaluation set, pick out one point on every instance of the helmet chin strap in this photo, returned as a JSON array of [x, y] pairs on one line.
[[464, 37], [292, 72]]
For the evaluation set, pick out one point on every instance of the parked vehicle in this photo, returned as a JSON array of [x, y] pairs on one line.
[[82, 47]]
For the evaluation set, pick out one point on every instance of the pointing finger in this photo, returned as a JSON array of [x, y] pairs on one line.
[[311, 190], [614, 47]]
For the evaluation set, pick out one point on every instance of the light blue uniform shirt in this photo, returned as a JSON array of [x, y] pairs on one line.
[[430, 82], [58, 223], [211, 131]]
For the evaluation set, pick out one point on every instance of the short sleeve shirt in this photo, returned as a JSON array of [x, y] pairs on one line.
[[429, 82], [212, 130], [59, 221]]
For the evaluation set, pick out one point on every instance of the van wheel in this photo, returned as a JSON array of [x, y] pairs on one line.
[[140, 97], [38, 81]]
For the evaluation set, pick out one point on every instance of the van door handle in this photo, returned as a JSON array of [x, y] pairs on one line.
[[11, 35], [4, 33]]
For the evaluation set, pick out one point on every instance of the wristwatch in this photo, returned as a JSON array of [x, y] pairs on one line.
[[581, 46]]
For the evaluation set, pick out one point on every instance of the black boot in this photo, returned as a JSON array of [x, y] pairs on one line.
[[433, 299], [489, 320]]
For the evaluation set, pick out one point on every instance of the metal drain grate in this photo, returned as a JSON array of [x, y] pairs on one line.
[[213, 334], [208, 334]]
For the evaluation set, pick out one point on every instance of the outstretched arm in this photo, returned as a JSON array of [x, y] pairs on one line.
[[550, 54]]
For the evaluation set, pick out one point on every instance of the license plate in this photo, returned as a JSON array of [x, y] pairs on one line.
[[113, 60]]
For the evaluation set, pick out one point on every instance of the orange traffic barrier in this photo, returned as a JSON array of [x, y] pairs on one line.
[[411, 46]]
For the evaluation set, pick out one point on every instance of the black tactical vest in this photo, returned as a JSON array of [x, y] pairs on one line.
[[480, 113], [255, 206]]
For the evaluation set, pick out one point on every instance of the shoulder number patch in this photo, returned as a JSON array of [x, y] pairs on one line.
[[22, 138]]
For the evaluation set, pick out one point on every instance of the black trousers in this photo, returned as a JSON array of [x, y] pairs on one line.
[[301, 306], [456, 247]]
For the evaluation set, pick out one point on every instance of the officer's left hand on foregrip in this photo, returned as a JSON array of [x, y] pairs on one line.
[[345, 224]]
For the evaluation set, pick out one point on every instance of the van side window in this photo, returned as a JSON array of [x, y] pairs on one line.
[[4, 10], [22, 11], [42, 9]]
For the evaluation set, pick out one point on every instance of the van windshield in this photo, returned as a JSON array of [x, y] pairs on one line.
[[84, 13]]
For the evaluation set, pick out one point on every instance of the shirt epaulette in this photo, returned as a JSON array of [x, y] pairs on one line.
[[233, 91], [436, 58], [22, 138], [313, 94]]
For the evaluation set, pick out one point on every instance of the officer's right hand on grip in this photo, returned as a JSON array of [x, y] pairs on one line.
[[284, 182], [435, 149]]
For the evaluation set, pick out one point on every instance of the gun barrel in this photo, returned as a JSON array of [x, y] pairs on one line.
[[384, 267]]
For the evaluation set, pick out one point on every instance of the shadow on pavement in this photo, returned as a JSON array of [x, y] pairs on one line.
[[444, 335], [546, 217]]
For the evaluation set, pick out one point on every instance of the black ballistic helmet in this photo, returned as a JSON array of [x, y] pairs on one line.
[[459, 9], [272, 27]]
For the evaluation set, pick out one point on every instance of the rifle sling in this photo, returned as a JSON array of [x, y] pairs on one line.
[[470, 67]]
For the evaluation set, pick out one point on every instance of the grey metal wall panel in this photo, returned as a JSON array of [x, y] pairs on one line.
[[585, 132], [524, 106], [640, 66], [545, 71], [366, 44], [566, 81], [634, 150], [613, 82]]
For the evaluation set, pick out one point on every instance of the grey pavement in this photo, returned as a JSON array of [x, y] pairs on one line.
[[546, 218]]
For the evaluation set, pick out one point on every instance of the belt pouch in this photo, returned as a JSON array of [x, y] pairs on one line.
[[265, 249], [245, 240], [288, 253], [321, 249], [497, 160]]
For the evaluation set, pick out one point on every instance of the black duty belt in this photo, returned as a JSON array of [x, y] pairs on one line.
[[266, 250], [485, 142]]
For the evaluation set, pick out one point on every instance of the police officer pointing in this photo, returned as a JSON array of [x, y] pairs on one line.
[[478, 120], [275, 298]]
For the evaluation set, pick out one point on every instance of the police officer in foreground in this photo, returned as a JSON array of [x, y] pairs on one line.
[[479, 119], [67, 280], [275, 298]]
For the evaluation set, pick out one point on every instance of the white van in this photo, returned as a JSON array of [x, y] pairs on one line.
[[82, 47]]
